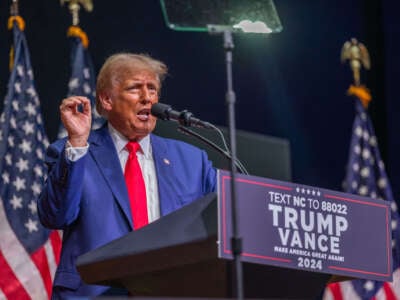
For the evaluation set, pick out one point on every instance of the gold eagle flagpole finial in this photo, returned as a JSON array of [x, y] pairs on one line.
[[74, 6], [357, 55]]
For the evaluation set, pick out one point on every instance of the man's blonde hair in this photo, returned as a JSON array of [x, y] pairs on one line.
[[120, 65]]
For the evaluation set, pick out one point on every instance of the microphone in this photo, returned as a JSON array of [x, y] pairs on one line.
[[184, 117]]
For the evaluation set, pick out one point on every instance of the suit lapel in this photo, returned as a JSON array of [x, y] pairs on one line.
[[165, 175], [105, 155]]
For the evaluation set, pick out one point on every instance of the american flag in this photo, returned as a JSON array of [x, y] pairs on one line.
[[82, 81], [366, 176], [29, 253]]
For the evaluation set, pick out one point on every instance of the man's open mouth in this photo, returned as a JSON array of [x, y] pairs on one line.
[[144, 114]]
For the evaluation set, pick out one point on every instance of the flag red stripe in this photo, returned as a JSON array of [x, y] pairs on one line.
[[336, 291], [9, 283], [55, 240], [40, 259], [389, 292]]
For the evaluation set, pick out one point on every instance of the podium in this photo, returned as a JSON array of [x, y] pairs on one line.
[[186, 253], [177, 256]]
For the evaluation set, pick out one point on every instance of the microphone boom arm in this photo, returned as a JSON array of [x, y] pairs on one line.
[[238, 164]]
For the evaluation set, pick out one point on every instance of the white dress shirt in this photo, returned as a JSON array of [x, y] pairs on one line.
[[146, 162]]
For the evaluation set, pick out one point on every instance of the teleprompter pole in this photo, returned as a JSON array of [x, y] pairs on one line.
[[236, 241]]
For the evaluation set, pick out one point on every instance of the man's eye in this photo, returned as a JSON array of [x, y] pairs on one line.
[[133, 87]]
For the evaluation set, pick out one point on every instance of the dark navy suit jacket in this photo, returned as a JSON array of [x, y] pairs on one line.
[[88, 198]]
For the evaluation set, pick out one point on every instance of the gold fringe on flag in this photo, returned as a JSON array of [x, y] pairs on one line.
[[362, 93], [19, 20], [76, 31], [21, 25]]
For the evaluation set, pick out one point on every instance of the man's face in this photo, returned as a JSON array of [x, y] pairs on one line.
[[131, 101]]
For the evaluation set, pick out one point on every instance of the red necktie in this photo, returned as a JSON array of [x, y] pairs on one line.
[[136, 188]]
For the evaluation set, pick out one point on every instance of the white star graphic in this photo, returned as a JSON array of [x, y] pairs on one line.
[[16, 202], [19, 183], [366, 154], [6, 177], [73, 83], [32, 207], [86, 73], [86, 88], [364, 172], [382, 183], [31, 225], [22, 165], [38, 171], [39, 153], [13, 123], [31, 91], [394, 224], [25, 146], [20, 70], [364, 116], [11, 141], [366, 135], [39, 119], [358, 131], [30, 73], [28, 127], [372, 141], [15, 105], [357, 149], [363, 190], [36, 188], [369, 285], [354, 184], [8, 158], [17, 87], [30, 109]]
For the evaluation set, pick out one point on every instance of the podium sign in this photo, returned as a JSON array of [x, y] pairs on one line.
[[307, 228]]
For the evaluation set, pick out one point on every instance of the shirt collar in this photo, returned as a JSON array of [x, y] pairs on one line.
[[120, 141]]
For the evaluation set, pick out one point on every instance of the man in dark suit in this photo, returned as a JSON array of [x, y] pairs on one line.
[[89, 194]]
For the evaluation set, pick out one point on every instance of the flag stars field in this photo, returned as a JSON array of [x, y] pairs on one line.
[[28, 127], [31, 225], [19, 183], [33, 207], [6, 177], [16, 202], [36, 188], [25, 146], [22, 165]]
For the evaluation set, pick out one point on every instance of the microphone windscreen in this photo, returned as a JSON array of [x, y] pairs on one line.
[[160, 110]]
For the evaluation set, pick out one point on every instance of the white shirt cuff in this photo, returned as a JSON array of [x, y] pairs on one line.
[[75, 153]]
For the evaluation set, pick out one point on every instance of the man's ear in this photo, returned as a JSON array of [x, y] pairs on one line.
[[105, 101]]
